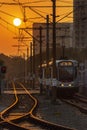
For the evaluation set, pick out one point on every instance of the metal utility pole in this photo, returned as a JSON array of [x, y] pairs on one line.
[[27, 61], [33, 64], [41, 89], [24, 68], [47, 41], [54, 82], [47, 55], [54, 37]]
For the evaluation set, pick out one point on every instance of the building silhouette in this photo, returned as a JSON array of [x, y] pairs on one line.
[[80, 23], [64, 35]]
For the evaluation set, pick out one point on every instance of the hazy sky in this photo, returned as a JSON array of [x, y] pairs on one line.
[[9, 11]]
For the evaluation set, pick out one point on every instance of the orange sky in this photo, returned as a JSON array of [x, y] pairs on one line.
[[9, 12]]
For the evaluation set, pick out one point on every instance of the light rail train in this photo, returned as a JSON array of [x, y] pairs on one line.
[[66, 79]]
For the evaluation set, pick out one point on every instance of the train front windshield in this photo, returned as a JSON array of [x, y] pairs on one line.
[[66, 74], [66, 71]]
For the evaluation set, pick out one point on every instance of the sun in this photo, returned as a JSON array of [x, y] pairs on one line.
[[17, 21]]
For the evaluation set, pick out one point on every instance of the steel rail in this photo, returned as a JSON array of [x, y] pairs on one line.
[[40, 122], [81, 98], [7, 123], [29, 116], [74, 103]]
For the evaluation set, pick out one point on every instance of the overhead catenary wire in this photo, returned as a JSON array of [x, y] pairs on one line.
[[6, 22], [21, 4], [21, 7], [31, 7], [7, 13], [30, 21], [36, 9], [7, 28], [63, 1], [37, 12], [39, 1], [65, 16]]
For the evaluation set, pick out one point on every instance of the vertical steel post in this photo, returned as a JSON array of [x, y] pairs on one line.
[[47, 41], [33, 64], [47, 56], [41, 89], [54, 91], [54, 38]]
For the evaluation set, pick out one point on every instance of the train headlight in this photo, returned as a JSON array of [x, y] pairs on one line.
[[62, 85], [70, 85]]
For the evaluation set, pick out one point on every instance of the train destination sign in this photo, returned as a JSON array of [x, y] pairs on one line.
[[64, 63]]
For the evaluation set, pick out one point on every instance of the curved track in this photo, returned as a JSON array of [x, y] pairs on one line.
[[18, 122], [6, 123]]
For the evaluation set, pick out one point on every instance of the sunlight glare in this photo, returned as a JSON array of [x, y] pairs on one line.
[[17, 21]]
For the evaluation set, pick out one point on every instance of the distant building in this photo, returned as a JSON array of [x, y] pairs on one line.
[[80, 23], [64, 35]]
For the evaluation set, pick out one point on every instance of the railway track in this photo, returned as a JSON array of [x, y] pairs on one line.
[[6, 123], [18, 116], [78, 101]]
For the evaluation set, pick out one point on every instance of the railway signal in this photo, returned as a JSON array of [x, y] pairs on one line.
[[2, 72], [3, 69]]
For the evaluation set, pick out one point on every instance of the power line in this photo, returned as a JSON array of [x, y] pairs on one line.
[[65, 16], [9, 3], [49, 6], [39, 1], [7, 13], [37, 13], [6, 21], [31, 7], [7, 28], [21, 7], [7, 24], [64, 1]]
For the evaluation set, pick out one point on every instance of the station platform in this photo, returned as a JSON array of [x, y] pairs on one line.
[[21, 91]]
